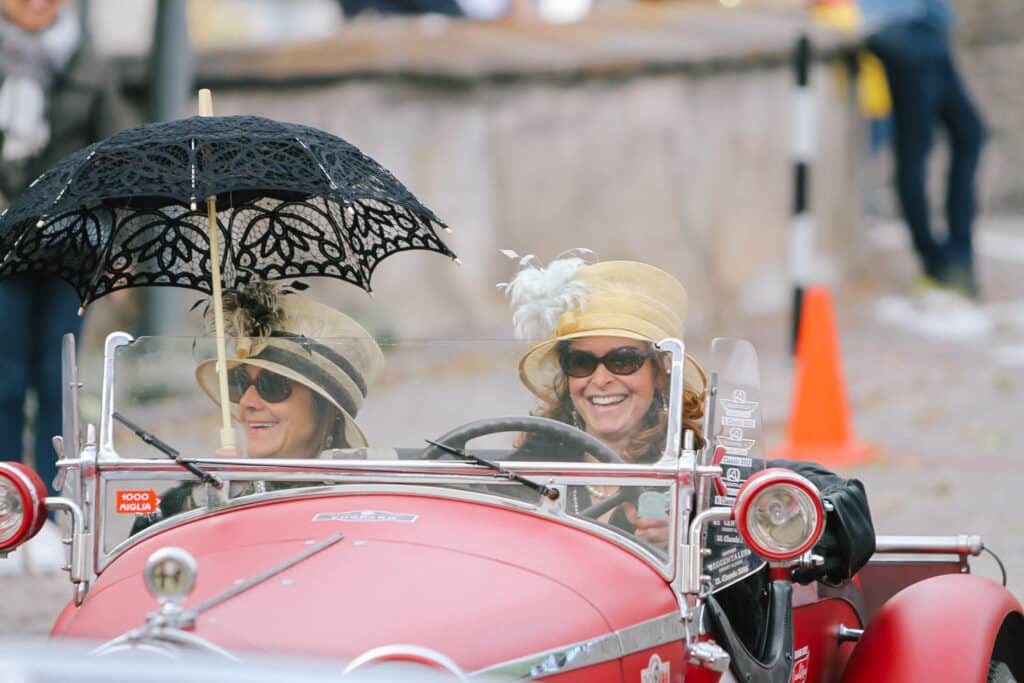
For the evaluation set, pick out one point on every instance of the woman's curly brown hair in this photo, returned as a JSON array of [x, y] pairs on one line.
[[646, 445]]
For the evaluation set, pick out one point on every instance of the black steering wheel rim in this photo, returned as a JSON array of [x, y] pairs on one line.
[[460, 436]]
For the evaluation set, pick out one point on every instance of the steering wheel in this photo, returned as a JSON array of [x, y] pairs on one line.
[[458, 437]]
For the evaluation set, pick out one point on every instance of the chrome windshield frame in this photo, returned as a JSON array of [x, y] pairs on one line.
[[420, 478]]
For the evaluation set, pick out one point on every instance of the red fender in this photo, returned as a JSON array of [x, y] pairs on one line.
[[940, 629]]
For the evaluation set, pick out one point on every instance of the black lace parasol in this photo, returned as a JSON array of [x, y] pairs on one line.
[[292, 201]]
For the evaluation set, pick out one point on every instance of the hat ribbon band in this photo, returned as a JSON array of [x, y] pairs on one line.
[[327, 352]]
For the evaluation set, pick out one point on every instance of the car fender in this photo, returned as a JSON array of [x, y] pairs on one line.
[[940, 629]]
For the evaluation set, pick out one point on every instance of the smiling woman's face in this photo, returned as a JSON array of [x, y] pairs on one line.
[[286, 429], [612, 406]]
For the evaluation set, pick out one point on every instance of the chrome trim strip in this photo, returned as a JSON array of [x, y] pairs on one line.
[[583, 471], [260, 578], [962, 544], [409, 653], [661, 565], [936, 559], [603, 648], [674, 429], [114, 341], [154, 637]]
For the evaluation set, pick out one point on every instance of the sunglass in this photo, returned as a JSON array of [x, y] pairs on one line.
[[625, 360], [271, 387]]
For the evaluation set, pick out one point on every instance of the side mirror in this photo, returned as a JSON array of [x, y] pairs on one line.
[[22, 505], [779, 514]]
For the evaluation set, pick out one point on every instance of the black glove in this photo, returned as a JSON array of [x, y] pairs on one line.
[[848, 541]]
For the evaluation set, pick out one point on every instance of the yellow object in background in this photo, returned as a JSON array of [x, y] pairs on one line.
[[872, 87]]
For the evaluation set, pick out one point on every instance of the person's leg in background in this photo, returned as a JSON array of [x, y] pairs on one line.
[[915, 86], [57, 314], [966, 139], [15, 310]]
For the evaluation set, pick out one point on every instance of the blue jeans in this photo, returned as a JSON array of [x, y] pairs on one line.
[[37, 311], [926, 91]]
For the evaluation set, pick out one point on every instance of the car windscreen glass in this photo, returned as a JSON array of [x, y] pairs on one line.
[[735, 444], [425, 390]]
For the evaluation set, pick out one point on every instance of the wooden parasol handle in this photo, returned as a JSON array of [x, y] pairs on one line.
[[227, 434]]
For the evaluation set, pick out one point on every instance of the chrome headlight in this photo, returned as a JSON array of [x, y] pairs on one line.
[[170, 575], [779, 514]]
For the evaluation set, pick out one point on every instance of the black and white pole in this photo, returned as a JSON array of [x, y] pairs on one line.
[[801, 228]]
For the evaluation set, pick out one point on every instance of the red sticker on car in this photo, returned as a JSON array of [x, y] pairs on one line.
[[137, 502], [801, 665]]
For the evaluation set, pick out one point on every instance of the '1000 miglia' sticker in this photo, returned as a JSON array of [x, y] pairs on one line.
[[137, 502]]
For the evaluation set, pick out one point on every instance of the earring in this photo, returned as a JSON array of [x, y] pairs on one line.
[[664, 403], [576, 421]]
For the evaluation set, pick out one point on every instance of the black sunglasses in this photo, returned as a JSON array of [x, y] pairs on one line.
[[624, 360], [271, 387]]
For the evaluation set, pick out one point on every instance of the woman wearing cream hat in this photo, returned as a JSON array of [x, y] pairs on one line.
[[299, 374], [298, 377], [591, 362]]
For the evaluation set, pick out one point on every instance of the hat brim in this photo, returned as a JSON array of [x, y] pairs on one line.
[[206, 376], [539, 369]]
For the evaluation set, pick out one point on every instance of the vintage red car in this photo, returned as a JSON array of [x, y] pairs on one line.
[[481, 569]]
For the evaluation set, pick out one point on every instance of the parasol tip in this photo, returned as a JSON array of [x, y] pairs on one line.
[[447, 229], [205, 102], [457, 260], [81, 311]]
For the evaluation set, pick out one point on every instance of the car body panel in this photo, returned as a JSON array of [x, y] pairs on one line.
[[459, 576], [940, 629]]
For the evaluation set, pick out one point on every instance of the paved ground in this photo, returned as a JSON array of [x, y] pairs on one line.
[[936, 395]]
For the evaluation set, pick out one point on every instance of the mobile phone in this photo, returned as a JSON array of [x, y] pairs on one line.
[[652, 504]]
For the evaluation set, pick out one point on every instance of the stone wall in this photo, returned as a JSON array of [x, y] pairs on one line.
[[662, 134]]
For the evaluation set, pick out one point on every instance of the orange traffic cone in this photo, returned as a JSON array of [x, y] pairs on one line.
[[819, 426]]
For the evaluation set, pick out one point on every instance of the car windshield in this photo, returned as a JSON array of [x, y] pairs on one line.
[[424, 390]]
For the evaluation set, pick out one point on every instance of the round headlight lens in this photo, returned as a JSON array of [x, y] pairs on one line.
[[12, 511], [781, 519], [22, 504]]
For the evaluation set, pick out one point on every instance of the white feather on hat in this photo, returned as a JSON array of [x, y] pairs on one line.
[[539, 295]]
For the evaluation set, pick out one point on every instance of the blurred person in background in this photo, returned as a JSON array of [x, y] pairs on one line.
[[912, 40], [353, 8], [467, 9], [56, 96]]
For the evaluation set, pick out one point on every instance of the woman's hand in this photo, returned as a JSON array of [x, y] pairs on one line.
[[227, 452], [651, 529]]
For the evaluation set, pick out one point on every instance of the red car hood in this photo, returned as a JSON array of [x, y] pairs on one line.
[[479, 583]]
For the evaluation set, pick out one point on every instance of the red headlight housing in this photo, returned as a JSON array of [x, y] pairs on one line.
[[22, 504], [779, 514]]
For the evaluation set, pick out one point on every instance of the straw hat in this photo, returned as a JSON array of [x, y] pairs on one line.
[[570, 299], [305, 341]]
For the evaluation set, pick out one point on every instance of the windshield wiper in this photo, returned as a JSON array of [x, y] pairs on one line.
[[546, 491], [171, 453]]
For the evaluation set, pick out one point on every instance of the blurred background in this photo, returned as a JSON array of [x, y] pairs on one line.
[[656, 130]]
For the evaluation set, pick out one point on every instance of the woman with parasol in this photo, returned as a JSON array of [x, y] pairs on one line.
[[298, 377]]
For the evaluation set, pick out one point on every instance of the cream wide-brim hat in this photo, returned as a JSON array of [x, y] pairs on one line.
[[318, 347], [623, 299]]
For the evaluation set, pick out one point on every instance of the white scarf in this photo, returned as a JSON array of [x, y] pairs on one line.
[[29, 64]]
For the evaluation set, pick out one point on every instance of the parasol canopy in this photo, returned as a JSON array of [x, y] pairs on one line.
[[291, 201], [282, 200]]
